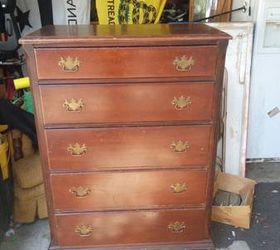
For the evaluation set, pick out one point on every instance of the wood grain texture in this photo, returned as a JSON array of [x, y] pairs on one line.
[[40, 133], [119, 63], [124, 35], [129, 148], [127, 103], [217, 121], [131, 227], [129, 129], [129, 190]]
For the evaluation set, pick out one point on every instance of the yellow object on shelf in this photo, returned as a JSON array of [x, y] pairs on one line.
[[22, 83], [129, 11], [3, 128], [4, 158]]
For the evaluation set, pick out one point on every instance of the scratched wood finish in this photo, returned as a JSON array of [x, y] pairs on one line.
[[132, 227], [130, 148], [127, 103], [134, 143], [129, 190], [100, 63]]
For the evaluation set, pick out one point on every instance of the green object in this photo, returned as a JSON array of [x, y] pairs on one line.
[[28, 102]]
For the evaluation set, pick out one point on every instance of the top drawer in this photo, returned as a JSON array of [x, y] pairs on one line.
[[121, 63]]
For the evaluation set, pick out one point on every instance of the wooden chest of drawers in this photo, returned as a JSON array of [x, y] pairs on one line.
[[127, 120]]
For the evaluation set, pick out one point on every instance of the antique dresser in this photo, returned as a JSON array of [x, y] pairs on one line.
[[127, 121]]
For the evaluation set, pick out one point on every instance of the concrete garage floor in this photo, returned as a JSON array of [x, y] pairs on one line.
[[35, 236]]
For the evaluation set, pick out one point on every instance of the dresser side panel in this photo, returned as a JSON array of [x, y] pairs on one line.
[[38, 115], [216, 133]]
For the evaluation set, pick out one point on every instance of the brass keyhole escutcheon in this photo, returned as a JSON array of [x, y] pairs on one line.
[[180, 146], [84, 230], [178, 188], [184, 63], [69, 64], [181, 102], [77, 149], [73, 105], [80, 192], [177, 227]]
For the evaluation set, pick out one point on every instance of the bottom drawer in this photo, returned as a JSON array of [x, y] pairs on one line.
[[131, 227]]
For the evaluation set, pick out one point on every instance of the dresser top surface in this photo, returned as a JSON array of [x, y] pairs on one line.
[[116, 35]]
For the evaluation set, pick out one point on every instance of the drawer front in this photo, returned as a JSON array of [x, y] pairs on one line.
[[132, 147], [137, 227], [128, 190], [138, 62], [127, 103]]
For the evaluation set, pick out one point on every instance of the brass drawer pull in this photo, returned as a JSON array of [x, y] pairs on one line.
[[183, 63], [84, 230], [73, 105], [178, 187], [180, 146], [177, 227], [181, 102], [80, 192], [77, 149], [69, 64]]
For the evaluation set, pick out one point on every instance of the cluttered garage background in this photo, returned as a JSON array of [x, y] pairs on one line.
[[249, 142]]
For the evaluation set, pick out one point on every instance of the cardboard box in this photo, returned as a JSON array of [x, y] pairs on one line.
[[238, 216]]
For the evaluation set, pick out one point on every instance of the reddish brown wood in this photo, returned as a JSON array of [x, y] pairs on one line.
[[129, 148], [131, 227], [128, 126], [128, 190], [127, 103], [124, 35], [99, 63], [40, 135], [217, 121]]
